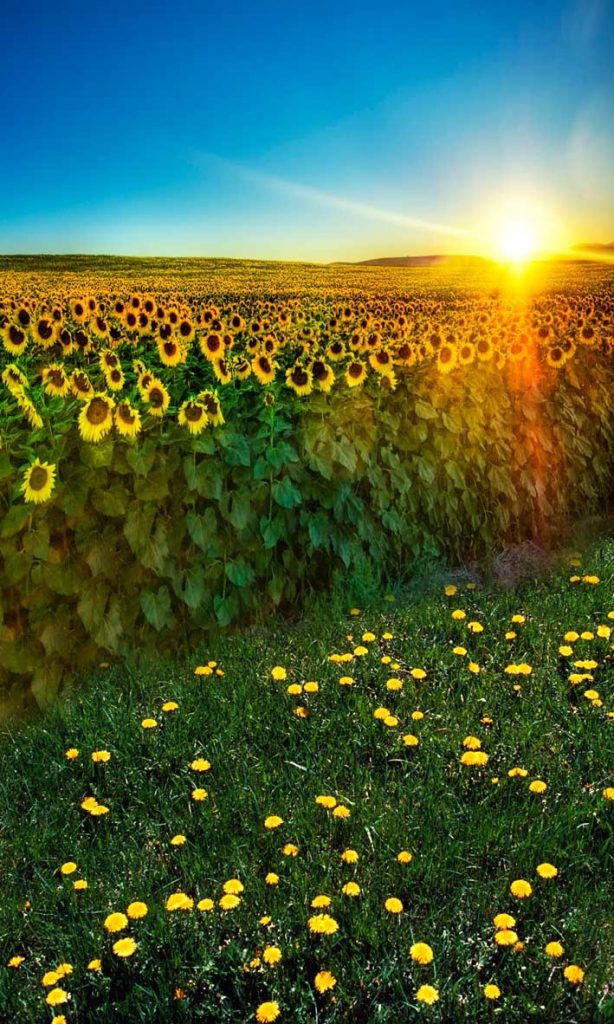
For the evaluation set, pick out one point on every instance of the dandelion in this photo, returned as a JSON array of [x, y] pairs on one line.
[[279, 673], [574, 974], [116, 922], [68, 868], [393, 905], [124, 947], [268, 1012], [351, 889], [322, 924], [521, 889], [206, 905], [272, 955], [273, 821], [57, 997], [427, 994], [421, 952], [547, 870], [179, 901], [324, 981], [553, 949], [137, 910], [351, 856], [491, 991]]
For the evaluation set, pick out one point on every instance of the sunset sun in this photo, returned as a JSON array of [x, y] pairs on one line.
[[517, 241]]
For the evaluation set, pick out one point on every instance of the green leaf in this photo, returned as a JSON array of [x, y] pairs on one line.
[[97, 454], [271, 530], [240, 510], [157, 608], [286, 494], [111, 501], [202, 527], [240, 572], [425, 411], [225, 608], [6, 468], [141, 457], [194, 586], [13, 521]]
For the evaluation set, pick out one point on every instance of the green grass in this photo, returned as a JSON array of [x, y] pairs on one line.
[[470, 838]]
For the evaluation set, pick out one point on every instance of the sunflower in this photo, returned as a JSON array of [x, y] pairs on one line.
[[556, 357], [466, 353], [158, 398], [100, 327], [193, 415], [264, 369], [587, 335], [447, 358], [108, 360], [381, 361], [15, 380], [242, 369], [212, 406], [82, 341], [96, 417], [81, 385], [356, 374], [29, 410], [38, 481], [484, 349], [131, 320], [127, 420], [211, 346], [115, 379], [171, 351], [335, 351], [78, 309], [14, 339], [323, 375], [300, 379], [221, 370], [237, 323], [55, 380], [185, 329]]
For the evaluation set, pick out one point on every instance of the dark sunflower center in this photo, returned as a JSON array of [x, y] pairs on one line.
[[125, 414], [355, 370], [213, 343], [170, 348], [185, 328], [38, 478], [445, 355], [300, 377], [17, 337], [156, 397], [98, 411], [264, 364], [193, 412]]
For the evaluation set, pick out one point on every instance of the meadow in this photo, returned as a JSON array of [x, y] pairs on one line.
[[310, 738]]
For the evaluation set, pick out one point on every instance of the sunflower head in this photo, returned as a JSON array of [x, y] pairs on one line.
[[38, 481]]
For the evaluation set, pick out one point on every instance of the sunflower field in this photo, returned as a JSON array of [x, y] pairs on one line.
[[179, 456]]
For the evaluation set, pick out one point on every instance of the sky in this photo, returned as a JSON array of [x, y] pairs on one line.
[[314, 131]]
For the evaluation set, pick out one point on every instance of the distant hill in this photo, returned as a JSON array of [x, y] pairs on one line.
[[421, 261], [607, 248]]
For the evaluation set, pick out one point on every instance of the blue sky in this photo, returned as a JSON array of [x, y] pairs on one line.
[[323, 131]]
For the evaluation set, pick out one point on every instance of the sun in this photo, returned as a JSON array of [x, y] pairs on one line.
[[517, 242]]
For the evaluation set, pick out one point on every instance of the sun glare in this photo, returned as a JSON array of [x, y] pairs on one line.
[[517, 242]]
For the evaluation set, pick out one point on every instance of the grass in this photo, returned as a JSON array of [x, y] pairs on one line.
[[469, 836]]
